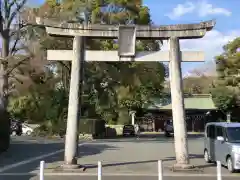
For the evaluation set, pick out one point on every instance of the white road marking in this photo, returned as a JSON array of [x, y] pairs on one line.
[[120, 174], [27, 161]]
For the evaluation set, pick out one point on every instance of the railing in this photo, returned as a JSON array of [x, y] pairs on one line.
[[160, 170]]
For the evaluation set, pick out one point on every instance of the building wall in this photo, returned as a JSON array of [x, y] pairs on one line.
[[196, 120]]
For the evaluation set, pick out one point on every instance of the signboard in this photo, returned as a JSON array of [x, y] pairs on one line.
[[126, 41]]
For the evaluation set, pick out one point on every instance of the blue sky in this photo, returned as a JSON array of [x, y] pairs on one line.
[[192, 11]]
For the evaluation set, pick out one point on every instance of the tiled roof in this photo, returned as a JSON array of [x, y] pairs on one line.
[[196, 101]]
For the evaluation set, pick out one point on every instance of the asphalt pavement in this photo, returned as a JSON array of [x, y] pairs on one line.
[[24, 148], [29, 177], [124, 158]]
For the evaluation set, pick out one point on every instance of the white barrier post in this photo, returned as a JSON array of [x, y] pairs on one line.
[[219, 170], [160, 170], [42, 164], [99, 170]]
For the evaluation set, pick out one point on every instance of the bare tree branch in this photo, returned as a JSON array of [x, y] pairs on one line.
[[17, 39], [9, 71], [7, 7], [13, 49], [1, 18], [15, 78], [11, 4], [64, 65], [17, 49], [19, 6]]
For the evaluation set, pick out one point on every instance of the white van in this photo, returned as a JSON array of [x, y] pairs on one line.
[[222, 143]]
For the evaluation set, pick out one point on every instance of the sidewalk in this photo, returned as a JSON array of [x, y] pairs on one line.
[[125, 177], [147, 167]]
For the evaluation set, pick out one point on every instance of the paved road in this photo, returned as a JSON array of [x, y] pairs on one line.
[[122, 156], [24, 147], [113, 178]]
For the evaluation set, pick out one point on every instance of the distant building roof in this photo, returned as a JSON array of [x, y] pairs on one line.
[[195, 101]]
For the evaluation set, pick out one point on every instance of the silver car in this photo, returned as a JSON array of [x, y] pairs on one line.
[[222, 143]]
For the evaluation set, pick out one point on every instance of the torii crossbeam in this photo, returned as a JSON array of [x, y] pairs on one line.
[[127, 36], [111, 56]]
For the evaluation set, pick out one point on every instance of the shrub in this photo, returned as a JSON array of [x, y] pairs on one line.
[[111, 132], [96, 127]]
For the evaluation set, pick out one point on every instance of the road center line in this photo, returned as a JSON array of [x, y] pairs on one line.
[[27, 161]]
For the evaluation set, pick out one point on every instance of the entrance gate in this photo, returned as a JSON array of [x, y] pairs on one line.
[[126, 36]]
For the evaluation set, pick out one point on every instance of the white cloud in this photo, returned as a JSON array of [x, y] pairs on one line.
[[208, 9], [211, 44], [202, 8], [181, 9]]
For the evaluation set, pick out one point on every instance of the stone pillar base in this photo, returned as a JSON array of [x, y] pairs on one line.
[[183, 166], [71, 166]]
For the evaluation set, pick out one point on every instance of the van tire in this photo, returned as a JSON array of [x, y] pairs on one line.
[[28, 133], [14, 133], [230, 165], [167, 134], [206, 156]]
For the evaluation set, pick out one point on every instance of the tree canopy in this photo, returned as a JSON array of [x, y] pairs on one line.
[[111, 90], [226, 91]]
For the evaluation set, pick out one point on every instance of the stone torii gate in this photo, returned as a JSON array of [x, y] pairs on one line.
[[126, 36]]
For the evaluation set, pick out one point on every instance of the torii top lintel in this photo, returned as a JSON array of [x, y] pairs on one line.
[[182, 31]]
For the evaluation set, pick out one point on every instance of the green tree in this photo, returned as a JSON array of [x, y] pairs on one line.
[[226, 90], [12, 34], [224, 98], [198, 85], [111, 88]]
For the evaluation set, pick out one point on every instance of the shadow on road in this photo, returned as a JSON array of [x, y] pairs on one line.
[[21, 151], [192, 156], [151, 138], [189, 136], [89, 166]]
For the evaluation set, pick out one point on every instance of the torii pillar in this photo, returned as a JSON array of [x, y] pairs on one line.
[[173, 33]]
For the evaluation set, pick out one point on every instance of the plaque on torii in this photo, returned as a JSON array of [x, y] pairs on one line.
[[127, 36]]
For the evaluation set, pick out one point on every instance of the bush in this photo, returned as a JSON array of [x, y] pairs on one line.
[[111, 132], [41, 131], [50, 128], [96, 127]]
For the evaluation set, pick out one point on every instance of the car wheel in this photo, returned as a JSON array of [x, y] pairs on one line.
[[19, 133], [230, 165], [167, 134], [206, 157], [14, 133], [28, 133]]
